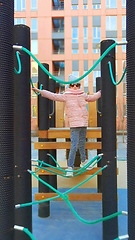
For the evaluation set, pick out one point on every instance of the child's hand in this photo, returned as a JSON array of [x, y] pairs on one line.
[[35, 89]]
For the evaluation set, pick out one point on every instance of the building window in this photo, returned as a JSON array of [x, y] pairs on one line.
[[33, 93], [85, 50], [95, 75], [111, 23], [74, 34], [123, 3], [85, 34], [123, 22], [34, 5], [75, 51], [124, 46], [34, 111], [85, 6], [111, 4], [96, 34], [34, 69], [34, 25], [34, 46], [86, 80], [20, 5], [19, 21], [96, 39], [96, 50], [96, 6], [74, 6]]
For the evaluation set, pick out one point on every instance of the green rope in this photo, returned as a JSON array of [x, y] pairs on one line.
[[111, 75], [52, 198], [76, 172], [19, 63], [23, 229], [78, 79], [41, 87], [29, 233], [65, 198], [57, 164]]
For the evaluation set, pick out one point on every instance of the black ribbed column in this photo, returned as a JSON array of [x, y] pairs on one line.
[[109, 176], [99, 124], [43, 124], [52, 88], [130, 12], [22, 124], [6, 121]]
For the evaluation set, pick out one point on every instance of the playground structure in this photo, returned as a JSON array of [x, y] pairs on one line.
[[7, 173], [63, 133]]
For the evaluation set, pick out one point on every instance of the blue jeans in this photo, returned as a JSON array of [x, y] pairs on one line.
[[78, 139]]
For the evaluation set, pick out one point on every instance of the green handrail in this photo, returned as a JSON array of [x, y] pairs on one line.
[[111, 75]]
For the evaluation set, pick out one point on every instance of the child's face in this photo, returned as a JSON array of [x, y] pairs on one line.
[[75, 85]]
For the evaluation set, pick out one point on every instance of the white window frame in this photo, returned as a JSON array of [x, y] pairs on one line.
[[75, 39], [34, 26], [96, 50], [96, 6], [75, 51], [85, 6], [124, 22], [19, 21], [96, 32], [85, 34], [123, 3], [35, 66], [86, 82], [22, 5], [85, 50], [34, 42], [96, 74], [74, 7], [110, 23], [34, 5], [110, 3], [124, 45]]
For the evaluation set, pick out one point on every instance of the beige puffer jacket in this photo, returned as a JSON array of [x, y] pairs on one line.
[[75, 103]]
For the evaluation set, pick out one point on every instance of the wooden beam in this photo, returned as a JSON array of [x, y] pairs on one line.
[[57, 171], [64, 145], [71, 196], [65, 133]]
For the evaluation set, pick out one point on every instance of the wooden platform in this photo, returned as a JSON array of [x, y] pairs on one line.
[[71, 196], [64, 145], [54, 133], [88, 172], [94, 132]]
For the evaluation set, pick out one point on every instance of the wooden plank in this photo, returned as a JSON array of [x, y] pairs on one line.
[[64, 145], [57, 171], [43, 133], [65, 133], [71, 196]]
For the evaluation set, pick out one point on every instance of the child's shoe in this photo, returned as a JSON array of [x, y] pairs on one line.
[[83, 164], [69, 172]]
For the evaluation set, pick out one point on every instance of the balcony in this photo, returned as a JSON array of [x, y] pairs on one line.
[[58, 5], [58, 46]]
